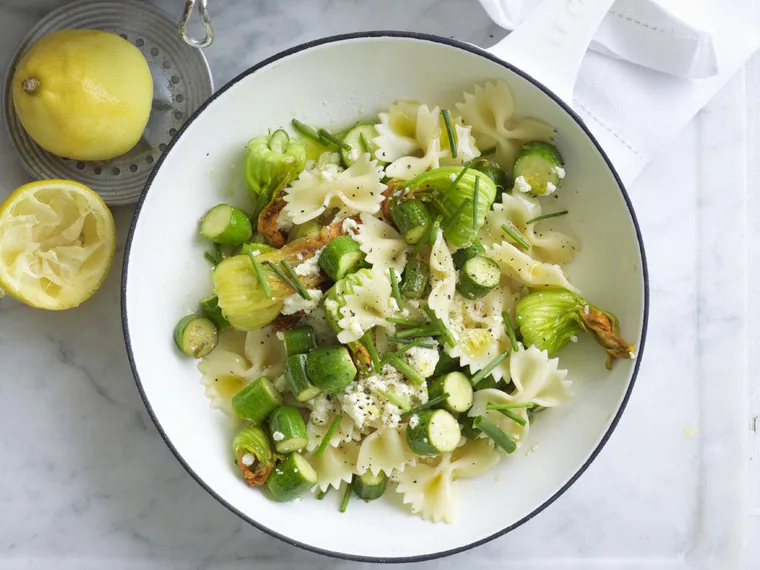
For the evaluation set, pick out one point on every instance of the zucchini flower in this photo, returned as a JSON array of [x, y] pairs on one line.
[[456, 202], [253, 454], [550, 319], [271, 163]]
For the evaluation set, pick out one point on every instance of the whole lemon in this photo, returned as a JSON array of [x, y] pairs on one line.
[[83, 94]]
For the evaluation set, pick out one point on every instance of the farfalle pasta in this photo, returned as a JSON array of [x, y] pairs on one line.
[[390, 311]]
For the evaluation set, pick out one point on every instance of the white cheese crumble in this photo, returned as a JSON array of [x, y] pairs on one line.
[[522, 185], [324, 407], [368, 408], [247, 459], [353, 156], [550, 188], [423, 360], [295, 303], [280, 335], [414, 421], [452, 177], [349, 225], [573, 338], [310, 266], [559, 171], [278, 436]]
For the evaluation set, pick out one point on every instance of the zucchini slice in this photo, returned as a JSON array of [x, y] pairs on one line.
[[412, 218], [478, 277], [288, 429], [433, 432], [298, 341], [331, 368], [360, 139], [415, 279], [459, 389], [291, 478], [368, 486], [298, 378], [538, 168], [340, 257], [461, 256], [196, 336], [256, 401], [226, 225]]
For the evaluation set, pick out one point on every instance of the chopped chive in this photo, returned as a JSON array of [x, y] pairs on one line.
[[444, 331], [367, 340], [427, 330], [456, 181], [409, 341], [395, 399], [407, 322], [325, 134], [458, 212], [301, 289], [510, 330], [475, 204], [490, 366], [281, 275], [509, 413], [492, 430], [394, 287], [515, 236], [440, 206], [489, 150], [260, 275], [428, 238], [546, 217], [346, 497], [308, 131], [429, 404], [407, 371], [450, 131], [413, 344], [210, 258], [329, 435], [511, 406], [365, 143], [321, 494]]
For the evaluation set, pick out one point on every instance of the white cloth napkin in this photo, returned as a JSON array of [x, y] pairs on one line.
[[654, 65]]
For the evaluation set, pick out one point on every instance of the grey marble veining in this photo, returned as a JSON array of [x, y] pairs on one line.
[[86, 481]]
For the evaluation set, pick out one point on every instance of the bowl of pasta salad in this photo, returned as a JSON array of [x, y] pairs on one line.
[[387, 314]]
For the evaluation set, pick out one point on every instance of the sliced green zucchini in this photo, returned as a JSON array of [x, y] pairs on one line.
[[196, 336], [256, 248], [412, 218], [461, 256], [298, 341], [298, 378], [331, 368], [291, 478], [433, 432], [340, 257], [415, 279], [211, 310], [488, 167], [288, 429], [304, 230], [538, 168], [368, 486], [459, 389], [360, 139], [226, 225], [478, 277], [256, 401]]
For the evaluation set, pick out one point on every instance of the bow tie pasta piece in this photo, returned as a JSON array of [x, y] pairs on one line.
[[397, 131], [490, 110], [514, 430], [431, 490], [428, 136], [443, 279], [467, 147], [383, 245], [385, 450], [265, 352], [358, 187], [537, 378], [335, 465], [526, 270], [516, 209]]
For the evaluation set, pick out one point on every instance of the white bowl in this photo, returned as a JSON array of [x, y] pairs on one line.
[[335, 82]]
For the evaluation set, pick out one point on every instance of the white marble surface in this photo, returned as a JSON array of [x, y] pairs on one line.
[[86, 482]]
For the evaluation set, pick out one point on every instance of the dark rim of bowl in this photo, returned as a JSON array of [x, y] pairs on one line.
[[475, 51]]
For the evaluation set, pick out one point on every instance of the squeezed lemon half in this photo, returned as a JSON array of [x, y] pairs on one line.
[[57, 241]]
